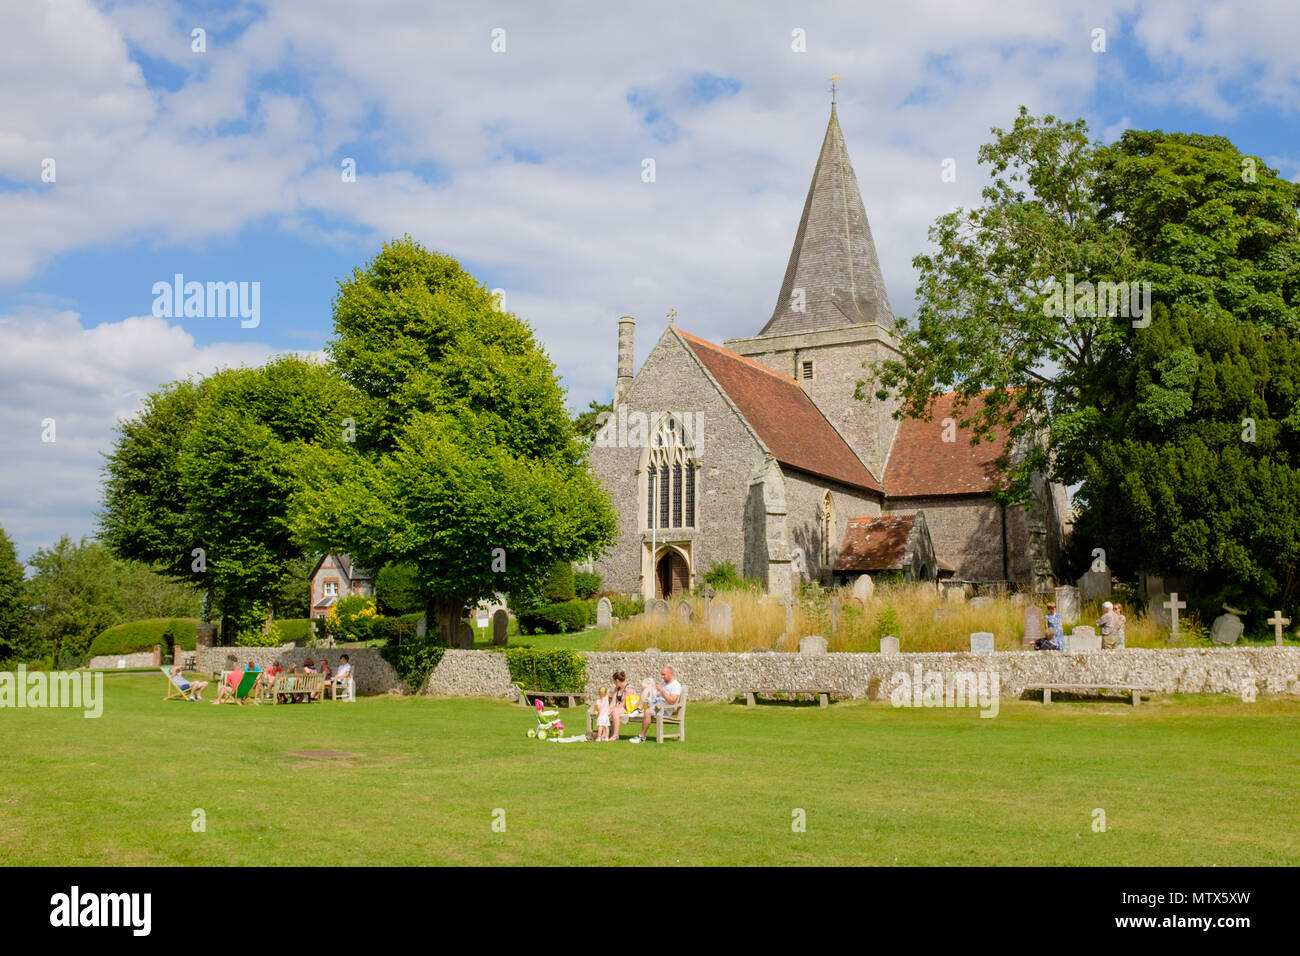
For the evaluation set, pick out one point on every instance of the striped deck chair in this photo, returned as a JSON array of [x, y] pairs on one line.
[[178, 687]]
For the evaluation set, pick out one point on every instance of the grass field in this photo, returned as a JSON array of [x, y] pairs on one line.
[[1182, 781]]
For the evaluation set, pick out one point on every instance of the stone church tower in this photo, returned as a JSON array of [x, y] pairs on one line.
[[758, 453]]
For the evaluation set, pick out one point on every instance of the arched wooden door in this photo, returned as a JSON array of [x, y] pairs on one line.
[[672, 576]]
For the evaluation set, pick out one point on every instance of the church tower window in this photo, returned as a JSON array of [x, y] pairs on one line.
[[690, 494], [663, 496], [806, 372], [677, 494]]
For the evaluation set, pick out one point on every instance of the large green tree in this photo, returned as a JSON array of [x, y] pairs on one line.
[[472, 474], [14, 618]]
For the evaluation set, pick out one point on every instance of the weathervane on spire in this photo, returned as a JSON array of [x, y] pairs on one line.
[[834, 79]]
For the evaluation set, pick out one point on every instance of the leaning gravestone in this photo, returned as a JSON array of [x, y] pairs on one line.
[[978, 602], [1067, 604], [1095, 586], [1083, 638], [812, 644], [981, 642], [500, 627], [466, 634], [864, 587], [889, 645], [1033, 624], [720, 618], [685, 613], [658, 609], [1226, 629], [604, 613]]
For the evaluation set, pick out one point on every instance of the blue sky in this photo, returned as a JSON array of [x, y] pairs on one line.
[[525, 164]]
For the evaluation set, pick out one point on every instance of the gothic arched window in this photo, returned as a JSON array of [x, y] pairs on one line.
[[670, 477]]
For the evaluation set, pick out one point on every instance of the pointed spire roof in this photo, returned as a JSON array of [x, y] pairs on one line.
[[834, 258]]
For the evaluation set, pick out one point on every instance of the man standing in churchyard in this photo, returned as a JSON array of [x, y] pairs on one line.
[[1108, 625], [663, 695]]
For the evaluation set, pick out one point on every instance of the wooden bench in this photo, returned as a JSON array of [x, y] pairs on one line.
[[286, 685], [823, 694], [671, 714], [1135, 690], [557, 696]]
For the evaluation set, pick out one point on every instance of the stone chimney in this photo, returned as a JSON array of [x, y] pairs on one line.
[[626, 327]]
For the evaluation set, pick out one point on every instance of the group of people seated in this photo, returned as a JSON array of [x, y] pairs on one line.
[[612, 704], [265, 683], [1110, 626]]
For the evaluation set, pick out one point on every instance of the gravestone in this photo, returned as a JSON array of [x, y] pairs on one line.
[[788, 602], [864, 588], [709, 595], [1095, 586], [604, 613], [652, 650], [981, 642], [720, 618], [1067, 604], [1033, 624], [466, 634], [833, 605], [685, 613], [1278, 622], [500, 627], [1020, 599], [204, 635], [889, 645], [1159, 613], [1173, 606], [658, 609], [980, 602], [943, 613], [955, 593], [1084, 638], [1226, 629], [422, 626], [812, 644]]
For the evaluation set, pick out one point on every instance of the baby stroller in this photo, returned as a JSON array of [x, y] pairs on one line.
[[547, 724]]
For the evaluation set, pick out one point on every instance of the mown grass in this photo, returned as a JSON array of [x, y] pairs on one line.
[[1182, 781]]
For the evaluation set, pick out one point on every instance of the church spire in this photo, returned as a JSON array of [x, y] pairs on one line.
[[833, 278]]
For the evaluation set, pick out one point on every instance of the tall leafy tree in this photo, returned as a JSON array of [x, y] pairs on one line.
[[472, 475], [14, 617]]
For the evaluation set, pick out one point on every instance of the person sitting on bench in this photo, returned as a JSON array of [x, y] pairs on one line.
[[661, 696], [340, 678]]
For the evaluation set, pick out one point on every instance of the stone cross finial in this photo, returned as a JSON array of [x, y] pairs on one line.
[[1174, 606], [672, 314], [709, 595], [1278, 622]]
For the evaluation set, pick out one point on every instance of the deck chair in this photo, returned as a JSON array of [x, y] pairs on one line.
[[175, 690], [244, 691]]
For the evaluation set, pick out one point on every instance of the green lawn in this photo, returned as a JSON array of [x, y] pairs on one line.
[[1183, 781]]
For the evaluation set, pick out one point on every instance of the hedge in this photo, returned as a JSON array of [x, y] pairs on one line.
[[136, 636], [555, 670], [414, 661], [555, 618]]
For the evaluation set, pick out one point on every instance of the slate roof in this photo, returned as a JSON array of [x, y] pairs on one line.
[[350, 571], [834, 257], [875, 544], [922, 463], [783, 416]]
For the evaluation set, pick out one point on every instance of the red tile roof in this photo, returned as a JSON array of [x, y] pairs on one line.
[[922, 463], [875, 544], [783, 415]]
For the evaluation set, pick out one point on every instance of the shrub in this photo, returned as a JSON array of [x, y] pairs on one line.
[[351, 620], [555, 618], [887, 624], [624, 608], [295, 629], [585, 584], [414, 661], [553, 670], [722, 576], [558, 585], [254, 635], [143, 635]]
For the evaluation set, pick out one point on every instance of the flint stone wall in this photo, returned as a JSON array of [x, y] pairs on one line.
[[108, 662], [373, 674], [1273, 670]]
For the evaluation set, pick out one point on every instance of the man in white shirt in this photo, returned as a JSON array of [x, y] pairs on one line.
[[664, 694], [340, 678]]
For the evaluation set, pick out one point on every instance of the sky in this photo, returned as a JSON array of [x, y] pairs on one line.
[[513, 137]]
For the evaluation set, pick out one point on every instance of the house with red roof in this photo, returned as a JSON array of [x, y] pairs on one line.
[[757, 451]]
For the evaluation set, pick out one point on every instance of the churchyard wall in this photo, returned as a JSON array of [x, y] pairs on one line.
[[111, 661], [373, 674]]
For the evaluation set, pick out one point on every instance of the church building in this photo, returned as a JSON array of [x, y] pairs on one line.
[[756, 451]]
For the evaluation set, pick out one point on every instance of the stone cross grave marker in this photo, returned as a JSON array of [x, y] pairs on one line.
[[889, 645], [981, 642], [788, 602], [834, 605], [812, 644], [1278, 622], [709, 595], [1173, 606], [604, 613], [685, 613], [1033, 624], [500, 627], [720, 618]]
